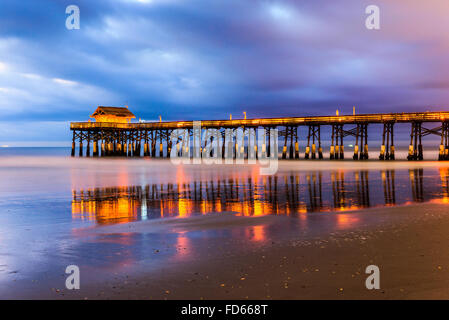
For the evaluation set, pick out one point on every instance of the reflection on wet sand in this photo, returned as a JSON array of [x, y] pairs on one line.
[[444, 174], [286, 194], [416, 180], [118, 204], [389, 187]]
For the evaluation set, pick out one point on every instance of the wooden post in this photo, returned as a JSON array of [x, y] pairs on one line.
[[296, 145], [313, 142], [228, 144], [134, 147], [242, 147], [420, 146], [244, 154], [146, 148], [73, 144], [129, 147], [106, 147], [103, 148], [362, 138], [186, 144], [337, 142], [133, 144], [387, 140], [307, 154], [95, 152], [88, 144], [382, 147], [441, 155], [146, 151], [114, 145], [356, 145], [178, 148], [123, 143], [81, 145], [415, 150], [223, 145], [291, 144], [118, 146], [161, 146], [212, 149], [320, 150], [446, 152], [365, 149], [332, 147], [392, 141], [446, 144], [252, 139], [141, 138], [342, 147], [269, 142], [169, 144], [284, 149], [138, 144], [153, 143], [110, 147], [410, 148]]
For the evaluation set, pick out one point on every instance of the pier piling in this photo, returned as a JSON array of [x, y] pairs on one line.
[[73, 144], [415, 151], [88, 145]]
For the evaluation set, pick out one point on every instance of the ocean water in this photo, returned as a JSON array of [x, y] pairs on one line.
[[51, 205], [35, 151]]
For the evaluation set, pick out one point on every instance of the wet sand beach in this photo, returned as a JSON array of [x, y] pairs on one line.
[[408, 243], [146, 229]]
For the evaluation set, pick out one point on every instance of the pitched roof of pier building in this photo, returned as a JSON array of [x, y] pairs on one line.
[[112, 114]]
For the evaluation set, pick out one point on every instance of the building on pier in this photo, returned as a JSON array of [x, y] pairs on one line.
[[113, 114]]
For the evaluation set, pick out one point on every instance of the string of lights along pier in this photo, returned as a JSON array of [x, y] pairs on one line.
[[113, 134]]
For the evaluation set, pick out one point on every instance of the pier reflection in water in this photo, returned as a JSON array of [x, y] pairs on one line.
[[283, 194]]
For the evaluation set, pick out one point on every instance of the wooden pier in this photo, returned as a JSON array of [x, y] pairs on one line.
[[117, 136]]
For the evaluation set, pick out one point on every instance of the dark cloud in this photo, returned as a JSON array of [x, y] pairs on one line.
[[205, 59]]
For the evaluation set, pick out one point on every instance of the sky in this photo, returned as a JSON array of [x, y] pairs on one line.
[[205, 59]]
